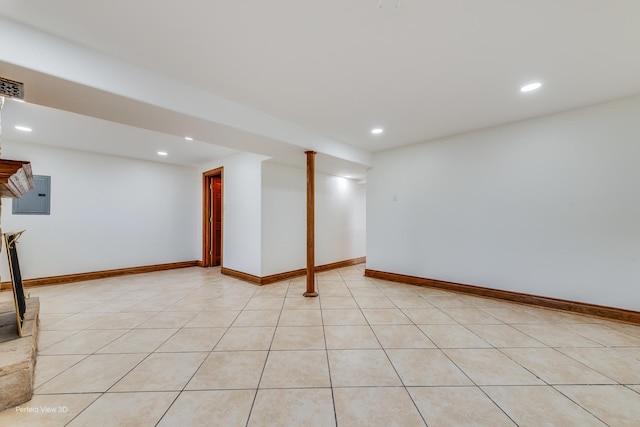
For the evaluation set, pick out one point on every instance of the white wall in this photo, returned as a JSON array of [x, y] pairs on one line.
[[340, 219], [106, 213], [546, 206], [241, 242]]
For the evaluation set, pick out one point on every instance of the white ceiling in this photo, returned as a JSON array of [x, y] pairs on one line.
[[339, 68]]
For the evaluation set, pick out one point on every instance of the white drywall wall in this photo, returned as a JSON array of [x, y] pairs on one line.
[[339, 219], [548, 206], [106, 213]]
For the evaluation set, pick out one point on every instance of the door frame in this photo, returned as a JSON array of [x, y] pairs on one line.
[[207, 244]]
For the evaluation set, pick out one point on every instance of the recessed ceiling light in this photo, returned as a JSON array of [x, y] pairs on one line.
[[530, 87], [24, 128], [188, 138], [377, 131], [162, 153]]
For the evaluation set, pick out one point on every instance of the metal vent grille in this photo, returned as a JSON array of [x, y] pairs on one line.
[[11, 89]]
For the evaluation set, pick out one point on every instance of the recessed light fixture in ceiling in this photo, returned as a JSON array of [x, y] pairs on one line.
[[24, 128], [531, 86], [377, 131], [162, 153], [188, 138]]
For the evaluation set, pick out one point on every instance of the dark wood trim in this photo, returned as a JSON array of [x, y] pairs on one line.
[[240, 275], [610, 313], [206, 214], [279, 277], [311, 196], [267, 280], [81, 277]]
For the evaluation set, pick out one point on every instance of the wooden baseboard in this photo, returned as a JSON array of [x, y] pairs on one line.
[[81, 277], [266, 280], [610, 313], [240, 275]]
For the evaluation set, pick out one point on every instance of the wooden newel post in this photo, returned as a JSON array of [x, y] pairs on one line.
[[311, 174]]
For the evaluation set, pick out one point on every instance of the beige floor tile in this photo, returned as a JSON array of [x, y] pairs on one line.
[[504, 336], [428, 316], [193, 339], [357, 368], [385, 316], [168, 319], [330, 302], [343, 317], [84, 342], [293, 407], [540, 406], [380, 406], [246, 338], [626, 328], [619, 364], [426, 367], [374, 302], [50, 410], [365, 291], [491, 367], [350, 337], [614, 404], [472, 316], [554, 367], [517, 314], [450, 301], [48, 338], [402, 336], [229, 370], [48, 367], [458, 406], [138, 341], [209, 408], [96, 373], [213, 319], [453, 336], [257, 303], [298, 302], [605, 335], [227, 303], [272, 291], [128, 320], [300, 318], [296, 369], [126, 409], [298, 338], [161, 372], [333, 290], [635, 387], [555, 335], [412, 301], [257, 318]]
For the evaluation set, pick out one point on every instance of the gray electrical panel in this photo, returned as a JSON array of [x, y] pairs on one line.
[[36, 201]]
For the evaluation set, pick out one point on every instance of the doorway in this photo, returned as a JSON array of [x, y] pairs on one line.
[[212, 217]]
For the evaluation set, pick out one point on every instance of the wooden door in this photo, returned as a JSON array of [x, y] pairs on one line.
[[212, 217], [216, 219]]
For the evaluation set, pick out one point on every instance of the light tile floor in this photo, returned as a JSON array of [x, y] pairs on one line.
[[192, 347]]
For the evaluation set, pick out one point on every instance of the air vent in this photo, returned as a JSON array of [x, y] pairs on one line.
[[11, 89]]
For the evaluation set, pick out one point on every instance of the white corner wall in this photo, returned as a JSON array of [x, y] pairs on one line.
[[106, 213], [241, 250], [340, 219], [546, 206]]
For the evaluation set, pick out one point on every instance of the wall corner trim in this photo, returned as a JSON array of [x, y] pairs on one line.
[[609, 313], [278, 277]]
